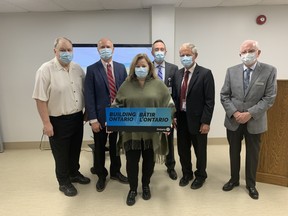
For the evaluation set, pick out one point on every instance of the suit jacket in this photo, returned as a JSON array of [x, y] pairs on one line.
[[200, 99], [96, 89], [259, 96], [170, 70]]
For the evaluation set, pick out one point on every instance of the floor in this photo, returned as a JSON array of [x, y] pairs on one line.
[[29, 188]]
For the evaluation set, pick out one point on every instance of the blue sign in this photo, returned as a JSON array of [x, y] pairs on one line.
[[138, 119]]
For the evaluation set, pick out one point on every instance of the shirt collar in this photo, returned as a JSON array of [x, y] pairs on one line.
[[191, 70], [157, 65], [105, 63], [59, 66], [252, 67]]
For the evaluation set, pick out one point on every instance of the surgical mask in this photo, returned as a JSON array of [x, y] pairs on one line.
[[159, 56], [105, 53], [248, 58], [141, 72], [186, 61], [66, 57]]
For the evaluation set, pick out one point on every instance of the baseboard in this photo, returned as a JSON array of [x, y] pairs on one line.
[[272, 179], [35, 145], [46, 145]]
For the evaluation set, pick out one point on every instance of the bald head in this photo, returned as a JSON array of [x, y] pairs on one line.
[[249, 43], [105, 43], [106, 49], [249, 52]]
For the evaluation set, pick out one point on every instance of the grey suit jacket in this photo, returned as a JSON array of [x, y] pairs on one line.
[[259, 97]]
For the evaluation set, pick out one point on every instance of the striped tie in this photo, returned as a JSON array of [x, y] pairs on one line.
[[160, 75], [247, 74], [111, 81]]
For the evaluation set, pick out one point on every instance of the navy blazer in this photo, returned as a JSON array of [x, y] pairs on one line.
[[96, 89], [200, 98]]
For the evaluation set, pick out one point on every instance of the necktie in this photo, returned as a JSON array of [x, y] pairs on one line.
[[111, 82], [184, 89], [247, 74], [160, 75]]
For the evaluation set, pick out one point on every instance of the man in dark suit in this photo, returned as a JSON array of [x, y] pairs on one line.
[[193, 94], [248, 92], [101, 84], [166, 71]]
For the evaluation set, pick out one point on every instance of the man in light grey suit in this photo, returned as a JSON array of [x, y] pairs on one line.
[[248, 92], [165, 71]]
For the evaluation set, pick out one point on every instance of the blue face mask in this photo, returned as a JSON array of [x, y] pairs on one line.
[[66, 57], [141, 72], [186, 61], [105, 53], [159, 56]]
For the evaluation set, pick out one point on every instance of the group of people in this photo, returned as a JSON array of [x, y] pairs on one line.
[[61, 87]]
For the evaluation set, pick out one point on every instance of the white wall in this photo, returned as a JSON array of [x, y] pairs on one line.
[[218, 33], [26, 41]]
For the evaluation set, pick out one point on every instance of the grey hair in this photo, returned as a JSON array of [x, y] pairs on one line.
[[190, 46], [57, 40]]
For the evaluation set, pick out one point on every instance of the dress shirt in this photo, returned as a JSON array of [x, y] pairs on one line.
[[63, 90]]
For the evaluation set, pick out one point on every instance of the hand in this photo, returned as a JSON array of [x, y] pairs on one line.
[[96, 127], [204, 129], [167, 133], [48, 129], [242, 118]]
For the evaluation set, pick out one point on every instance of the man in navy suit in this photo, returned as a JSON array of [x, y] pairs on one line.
[[166, 71], [194, 95], [98, 96]]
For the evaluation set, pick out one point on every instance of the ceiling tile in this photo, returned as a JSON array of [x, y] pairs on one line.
[[80, 5], [39, 5], [234, 3], [200, 3], [123, 4], [274, 2], [149, 3], [6, 7]]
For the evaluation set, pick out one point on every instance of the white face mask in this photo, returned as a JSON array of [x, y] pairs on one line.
[[249, 58]]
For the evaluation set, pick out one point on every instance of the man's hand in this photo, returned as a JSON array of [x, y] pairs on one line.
[[48, 129], [96, 127], [242, 118], [204, 129]]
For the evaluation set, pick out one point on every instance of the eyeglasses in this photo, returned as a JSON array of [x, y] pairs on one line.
[[248, 51]]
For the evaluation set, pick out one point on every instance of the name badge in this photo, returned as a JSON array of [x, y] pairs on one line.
[[184, 105]]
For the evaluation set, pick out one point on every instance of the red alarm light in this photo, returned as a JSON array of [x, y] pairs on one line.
[[261, 19]]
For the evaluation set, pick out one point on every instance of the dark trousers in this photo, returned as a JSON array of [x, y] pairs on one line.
[[100, 140], [170, 158], [66, 145], [252, 143], [132, 166], [184, 141]]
